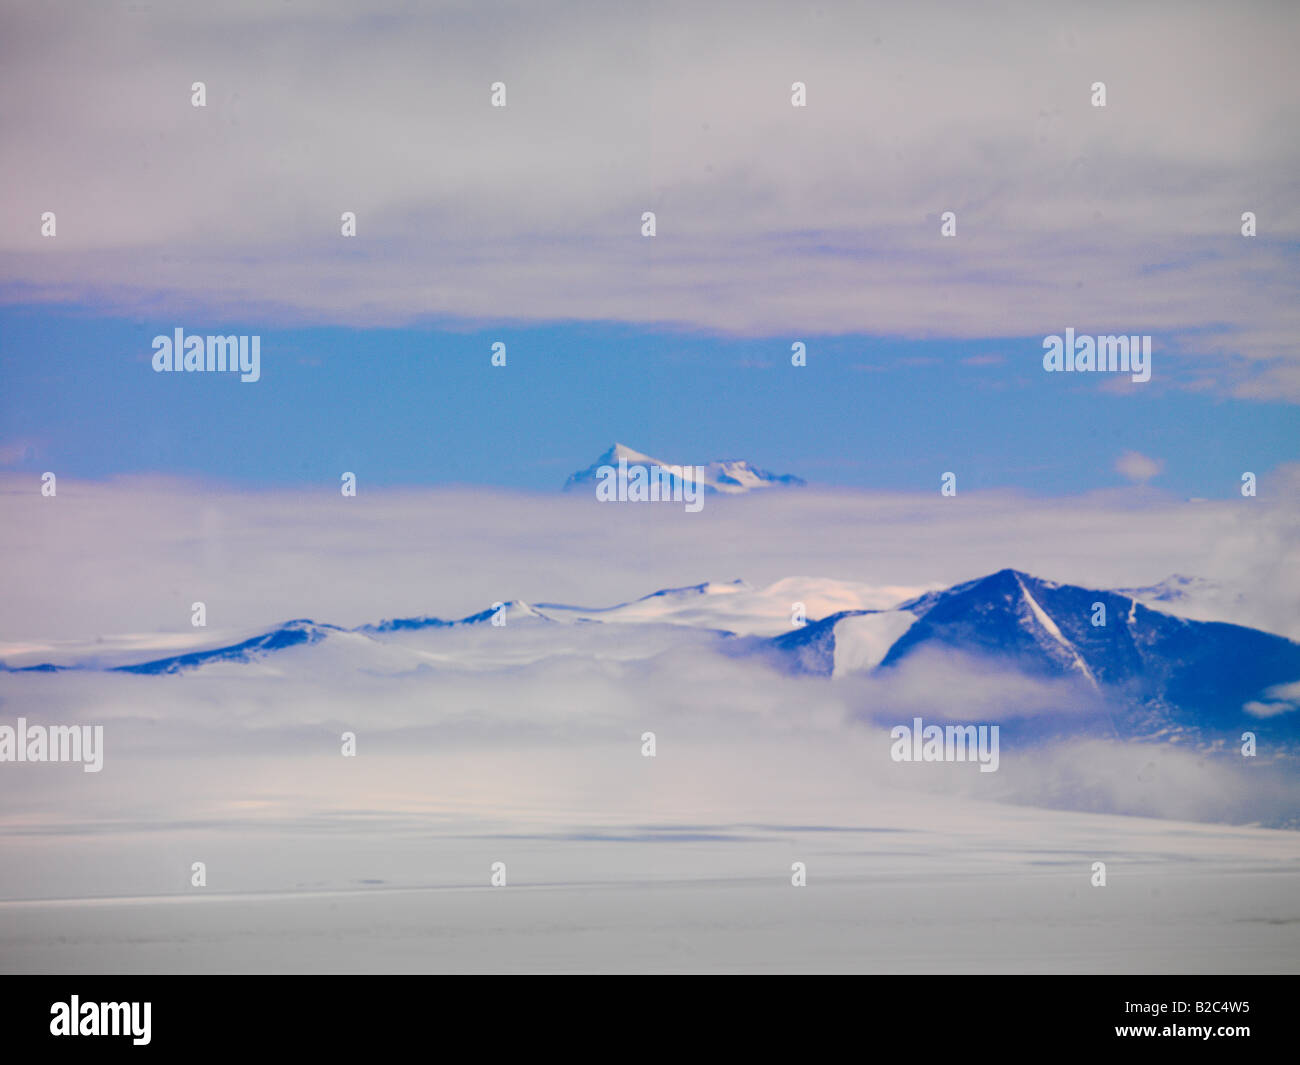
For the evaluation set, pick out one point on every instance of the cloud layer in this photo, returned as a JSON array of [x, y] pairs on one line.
[[132, 555], [772, 219]]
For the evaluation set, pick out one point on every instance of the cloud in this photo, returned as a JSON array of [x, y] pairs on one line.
[[130, 555], [771, 219], [1258, 709], [1137, 467], [547, 738], [1280, 699], [950, 686]]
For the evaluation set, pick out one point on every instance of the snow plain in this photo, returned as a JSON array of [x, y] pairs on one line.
[[523, 745]]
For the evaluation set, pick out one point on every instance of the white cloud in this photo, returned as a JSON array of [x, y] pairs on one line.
[[131, 555], [1137, 467], [771, 219], [1279, 699]]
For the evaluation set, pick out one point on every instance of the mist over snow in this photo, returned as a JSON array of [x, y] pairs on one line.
[[123, 561]]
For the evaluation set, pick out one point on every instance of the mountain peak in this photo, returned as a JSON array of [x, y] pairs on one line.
[[721, 476], [618, 451]]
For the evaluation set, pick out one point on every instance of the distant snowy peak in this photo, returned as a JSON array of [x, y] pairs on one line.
[[724, 476]]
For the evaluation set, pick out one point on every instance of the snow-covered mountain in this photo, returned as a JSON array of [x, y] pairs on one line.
[[725, 477], [736, 608], [1167, 676], [730, 608], [1172, 674]]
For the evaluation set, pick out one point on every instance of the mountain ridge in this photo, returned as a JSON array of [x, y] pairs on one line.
[[720, 477], [1173, 675]]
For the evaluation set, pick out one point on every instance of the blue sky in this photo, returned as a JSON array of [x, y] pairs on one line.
[[775, 223], [424, 406]]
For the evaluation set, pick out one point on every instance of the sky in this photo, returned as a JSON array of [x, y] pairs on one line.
[[775, 224], [422, 406]]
